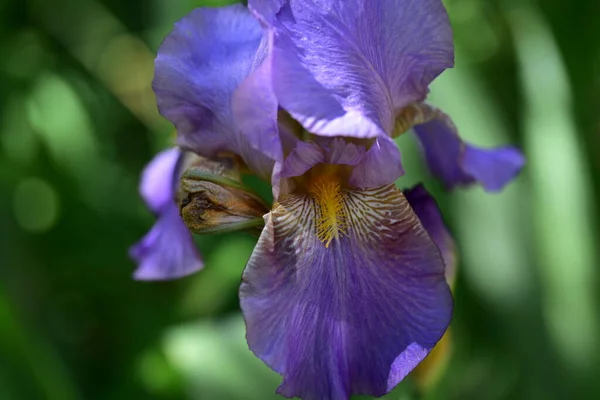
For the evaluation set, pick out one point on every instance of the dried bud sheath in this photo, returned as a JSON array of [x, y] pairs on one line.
[[212, 198]]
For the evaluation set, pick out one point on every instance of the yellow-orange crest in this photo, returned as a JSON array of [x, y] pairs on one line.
[[331, 221]]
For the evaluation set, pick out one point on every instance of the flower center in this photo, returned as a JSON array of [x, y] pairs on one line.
[[331, 221]]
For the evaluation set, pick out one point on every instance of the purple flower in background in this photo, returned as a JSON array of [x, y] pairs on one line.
[[345, 291], [167, 251]]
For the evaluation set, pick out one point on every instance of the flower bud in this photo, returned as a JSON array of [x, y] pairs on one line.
[[212, 199]]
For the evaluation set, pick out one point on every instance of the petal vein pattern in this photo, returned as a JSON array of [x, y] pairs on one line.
[[199, 66], [344, 67], [351, 317]]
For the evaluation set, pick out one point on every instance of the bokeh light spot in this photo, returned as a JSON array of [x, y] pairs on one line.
[[36, 205]]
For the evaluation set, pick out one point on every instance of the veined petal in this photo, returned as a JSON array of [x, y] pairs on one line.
[[424, 205], [430, 216], [457, 163], [339, 151], [352, 316], [304, 156], [380, 166], [255, 107], [167, 251], [343, 67], [199, 65]]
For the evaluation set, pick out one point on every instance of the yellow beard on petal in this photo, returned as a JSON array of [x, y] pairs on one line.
[[331, 222]]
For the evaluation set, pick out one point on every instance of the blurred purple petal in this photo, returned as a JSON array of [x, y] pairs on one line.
[[493, 168], [199, 65], [354, 317], [156, 184], [429, 214], [167, 251], [344, 67], [457, 163]]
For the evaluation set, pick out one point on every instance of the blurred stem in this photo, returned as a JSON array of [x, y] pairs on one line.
[[563, 213], [49, 373]]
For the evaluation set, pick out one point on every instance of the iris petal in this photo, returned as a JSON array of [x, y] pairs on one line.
[[457, 163], [255, 107], [353, 317], [167, 251], [199, 65], [380, 166], [343, 67], [425, 206], [158, 177], [493, 168], [339, 151], [304, 156]]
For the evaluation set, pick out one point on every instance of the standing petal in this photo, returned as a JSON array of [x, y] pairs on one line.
[[380, 166], [352, 316], [343, 67], [340, 151], [199, 65], [455, 162], [255, 106], [167, 251], [304, 156]]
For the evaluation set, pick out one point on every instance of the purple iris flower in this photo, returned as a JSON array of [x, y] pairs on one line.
[[345, 291], [168, 250]]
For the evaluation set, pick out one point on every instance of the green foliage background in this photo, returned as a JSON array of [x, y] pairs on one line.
[[78, 122]]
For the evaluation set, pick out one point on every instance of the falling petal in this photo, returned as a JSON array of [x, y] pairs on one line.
[[457, 163], [350, 316], [167, 251]]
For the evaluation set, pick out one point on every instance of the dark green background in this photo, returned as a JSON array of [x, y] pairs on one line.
[[78, 122]]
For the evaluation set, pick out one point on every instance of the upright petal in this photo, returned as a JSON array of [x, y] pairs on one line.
[[343, 67], [304, 156], [380, 166], [255, 106], [340, 151], [457, 163], [431, 218], [352, 316], [377, 166], [167, 251], [199, 65]]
